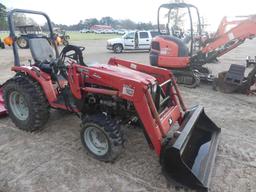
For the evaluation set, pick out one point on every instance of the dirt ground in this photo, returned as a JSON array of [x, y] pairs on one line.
[[54, 158]]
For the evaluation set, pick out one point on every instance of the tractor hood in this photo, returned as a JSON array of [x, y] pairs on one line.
[[125, 73]]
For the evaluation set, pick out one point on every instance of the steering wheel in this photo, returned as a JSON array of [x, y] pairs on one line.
[[73, 52], [58, 66]]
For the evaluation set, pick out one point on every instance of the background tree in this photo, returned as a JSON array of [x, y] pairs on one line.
[[107, 21], [128, 24], [88, 23], [3, 19], [145, 26]]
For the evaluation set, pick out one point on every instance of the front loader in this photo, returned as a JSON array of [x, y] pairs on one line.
[[105, 96]]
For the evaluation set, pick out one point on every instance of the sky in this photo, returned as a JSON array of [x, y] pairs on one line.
[[71, 12]]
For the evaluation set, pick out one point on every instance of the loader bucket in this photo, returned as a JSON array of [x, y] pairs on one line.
[[189, 158]]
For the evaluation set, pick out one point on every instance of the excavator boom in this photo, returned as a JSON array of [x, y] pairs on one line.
[[227, 37]]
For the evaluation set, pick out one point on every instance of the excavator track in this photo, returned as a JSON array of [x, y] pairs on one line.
[[189, 79]]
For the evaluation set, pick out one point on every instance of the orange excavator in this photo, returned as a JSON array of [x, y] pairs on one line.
[[185, 48]]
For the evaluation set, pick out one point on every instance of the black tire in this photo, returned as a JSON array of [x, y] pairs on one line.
[[38, 107], [22, 42], [111, 131], [2, 45], [118, 48]]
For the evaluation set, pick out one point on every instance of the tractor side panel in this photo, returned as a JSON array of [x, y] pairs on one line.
[[173, 62]]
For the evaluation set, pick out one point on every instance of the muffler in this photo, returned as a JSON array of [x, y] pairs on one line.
[[189, 156]]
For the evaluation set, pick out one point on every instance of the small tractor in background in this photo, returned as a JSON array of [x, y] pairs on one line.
[[35, 31], [184, 48], [61, 37], [27, 32], [106, 96]]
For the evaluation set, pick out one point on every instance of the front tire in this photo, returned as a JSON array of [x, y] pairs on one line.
[[102, 137], [118, 48], [26, 103]]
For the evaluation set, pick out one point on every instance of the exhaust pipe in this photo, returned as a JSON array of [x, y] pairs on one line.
[[189, 158]]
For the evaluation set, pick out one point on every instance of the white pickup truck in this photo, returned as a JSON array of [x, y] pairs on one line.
[[133, 40]]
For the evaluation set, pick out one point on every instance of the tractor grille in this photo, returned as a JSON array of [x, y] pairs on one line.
[[161, 99]]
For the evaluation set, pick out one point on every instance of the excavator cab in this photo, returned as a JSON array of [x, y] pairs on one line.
[[180, 28], [179, 45]]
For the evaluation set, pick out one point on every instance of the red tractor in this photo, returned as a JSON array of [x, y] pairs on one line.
[[105, 96], [184, 48]]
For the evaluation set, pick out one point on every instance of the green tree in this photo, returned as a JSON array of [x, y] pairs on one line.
[[128, 24], [145, 26], [3, 19], [90, 22], [107, 21]]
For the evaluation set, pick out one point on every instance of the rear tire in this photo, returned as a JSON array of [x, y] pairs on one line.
[[102, 137], [118, 48], [26, 103]]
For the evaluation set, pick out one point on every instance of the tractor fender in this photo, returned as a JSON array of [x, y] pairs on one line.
[[41, 77]]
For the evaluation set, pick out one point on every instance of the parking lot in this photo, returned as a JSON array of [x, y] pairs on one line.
[[55, 160]]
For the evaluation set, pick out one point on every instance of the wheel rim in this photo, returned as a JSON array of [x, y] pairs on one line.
[[23, 42], [96, 141], [118, 49], [18, 105]]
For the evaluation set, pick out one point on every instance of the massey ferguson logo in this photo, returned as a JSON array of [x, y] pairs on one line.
[[127, 90]]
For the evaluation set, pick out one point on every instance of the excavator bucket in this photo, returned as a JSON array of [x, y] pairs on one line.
[[189, 157], [234, 80], [2, 108]]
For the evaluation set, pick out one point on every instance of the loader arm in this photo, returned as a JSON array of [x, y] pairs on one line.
[[224, 41], [160, 74]]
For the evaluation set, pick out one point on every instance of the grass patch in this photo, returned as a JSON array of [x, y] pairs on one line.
[[3, 35], [77, 36]]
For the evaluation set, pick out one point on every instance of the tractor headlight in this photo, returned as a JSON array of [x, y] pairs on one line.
[[153, 89]]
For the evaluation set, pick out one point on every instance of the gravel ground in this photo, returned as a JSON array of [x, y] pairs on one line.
[[54, 158]]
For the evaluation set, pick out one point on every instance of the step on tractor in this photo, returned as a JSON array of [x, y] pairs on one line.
[[184, 47], [107, 96]]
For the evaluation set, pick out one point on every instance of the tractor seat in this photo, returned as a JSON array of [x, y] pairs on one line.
[[42, 53]]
